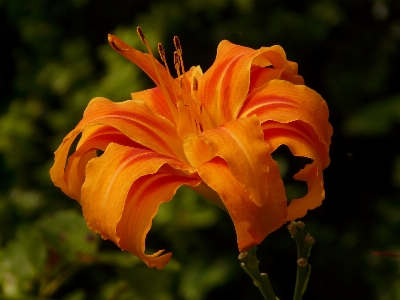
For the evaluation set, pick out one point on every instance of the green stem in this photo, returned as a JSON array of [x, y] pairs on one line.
[[304, 243], [249, 263]]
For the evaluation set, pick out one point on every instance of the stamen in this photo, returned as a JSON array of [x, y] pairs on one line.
[[177, 44], [141, 35], [177, 63], [171, 104], [161, 51]]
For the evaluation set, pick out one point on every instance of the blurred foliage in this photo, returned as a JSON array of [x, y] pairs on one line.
[[56, 58]]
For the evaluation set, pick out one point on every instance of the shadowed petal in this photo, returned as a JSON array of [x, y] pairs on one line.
[[302, 141], [105, 192], [276, 57], [144, 198], [252, 222]]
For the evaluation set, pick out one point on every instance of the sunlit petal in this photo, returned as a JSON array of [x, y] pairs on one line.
[[241, 144]]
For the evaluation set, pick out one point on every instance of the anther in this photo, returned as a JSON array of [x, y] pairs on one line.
[[161, 51], [177, 44], [177, 62], [141, 35]]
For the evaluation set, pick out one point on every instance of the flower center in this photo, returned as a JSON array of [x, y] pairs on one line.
[[185, 107]]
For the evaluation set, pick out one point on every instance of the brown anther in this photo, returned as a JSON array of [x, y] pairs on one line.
[[161, 51], [195, 84], [141, 35], [177, 60], [177, 44]]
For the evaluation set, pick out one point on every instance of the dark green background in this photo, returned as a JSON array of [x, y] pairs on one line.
[[55, 58]]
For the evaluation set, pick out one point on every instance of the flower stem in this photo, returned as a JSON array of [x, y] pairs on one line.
[[304, 243], [249, 263]]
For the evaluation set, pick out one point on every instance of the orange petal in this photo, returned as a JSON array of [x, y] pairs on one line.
[[150, 66], [252, 222], [241, 144], [296, 116], [133, 119], [93, 139], [276, 57], [224, 87], [144, 198], [261, 75], [284, 102], [106, 194], [302, 141], [137, 121], [155, 100]]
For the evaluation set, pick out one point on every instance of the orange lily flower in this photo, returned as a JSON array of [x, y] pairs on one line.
[[213, 132]]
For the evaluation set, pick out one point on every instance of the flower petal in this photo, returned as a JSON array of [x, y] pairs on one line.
[[302, 141], [133, 119], [144, 198], [284, 102], [225, 85], [241, 144], [276, 57], [252, 222], [148, 64], [117, 190], [223, 88], [155, 100], [296, 116], [93, 139]]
